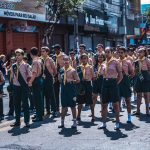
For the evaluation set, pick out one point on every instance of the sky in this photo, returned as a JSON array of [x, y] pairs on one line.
[[145, 1]]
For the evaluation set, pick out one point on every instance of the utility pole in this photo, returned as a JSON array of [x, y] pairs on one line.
[[125, 22], [76, 32]]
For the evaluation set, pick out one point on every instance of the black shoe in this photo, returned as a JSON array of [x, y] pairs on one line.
[[93, 120], [27, 125], [37, 120], [73, 127], [129, 122], [135, 113], [34, 117], [48, 113], [16, 124], [61, 126], [10, 114], [78, 119], [102, 126], [148, 115], [1, 118]]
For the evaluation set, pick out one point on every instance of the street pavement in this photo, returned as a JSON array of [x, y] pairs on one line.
[[46, 135]]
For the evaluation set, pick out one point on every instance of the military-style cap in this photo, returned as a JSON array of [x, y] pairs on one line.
[[56, 46], [19, 50], [82, 45], [72, 52], [101, 45]]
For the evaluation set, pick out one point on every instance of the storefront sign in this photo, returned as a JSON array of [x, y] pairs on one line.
[[94, 20], [91, 28], [22, 9], [21, 15]]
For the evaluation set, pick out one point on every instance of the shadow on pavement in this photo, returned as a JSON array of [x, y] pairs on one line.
[[144, 117], [128, 126], [68, 132], [86, 124], [18, 131], [114, 135]]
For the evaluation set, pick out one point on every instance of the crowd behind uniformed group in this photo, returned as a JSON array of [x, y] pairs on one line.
[[47, 84]]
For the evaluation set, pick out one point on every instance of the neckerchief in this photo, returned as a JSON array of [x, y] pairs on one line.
[[72, 62], [84, 69], [65, 73], [107, 64]]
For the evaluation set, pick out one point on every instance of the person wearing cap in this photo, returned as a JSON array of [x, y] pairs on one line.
[[68, 78], [86, 74], [36, 82], [130, 55], [59, 63], [142, 85], [124, 85], [82, 49], [99, 48], [73, 59], [110, 90], [20, 72], [59, 56], [49, 71]]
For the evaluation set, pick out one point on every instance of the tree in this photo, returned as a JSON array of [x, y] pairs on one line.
[[147, 13], [56, 9]]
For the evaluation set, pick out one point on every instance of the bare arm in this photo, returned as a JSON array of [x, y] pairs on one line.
[[119, 70]]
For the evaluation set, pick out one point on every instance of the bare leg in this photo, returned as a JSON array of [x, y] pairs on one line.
[[139, 99], [104, 112], [79, 110], [116, 108], [146, 97]]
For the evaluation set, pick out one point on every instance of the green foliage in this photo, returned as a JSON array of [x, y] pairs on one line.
[[56, 9], [60, 8], [147, 13]]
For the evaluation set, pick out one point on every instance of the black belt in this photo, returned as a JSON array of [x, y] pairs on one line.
[[110, 79], [71, 82]]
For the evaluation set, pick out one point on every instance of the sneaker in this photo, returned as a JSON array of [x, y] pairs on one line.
[[116, 126], [34, 117], [135, 113], [129, 118], [102, 126], [74, 126]]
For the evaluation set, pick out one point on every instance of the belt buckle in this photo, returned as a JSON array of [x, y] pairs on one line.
[[107, 79]]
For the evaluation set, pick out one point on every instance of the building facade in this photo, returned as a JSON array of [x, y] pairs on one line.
[[22, 24]]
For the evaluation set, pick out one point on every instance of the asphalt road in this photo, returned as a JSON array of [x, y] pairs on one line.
[[47, 136]]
